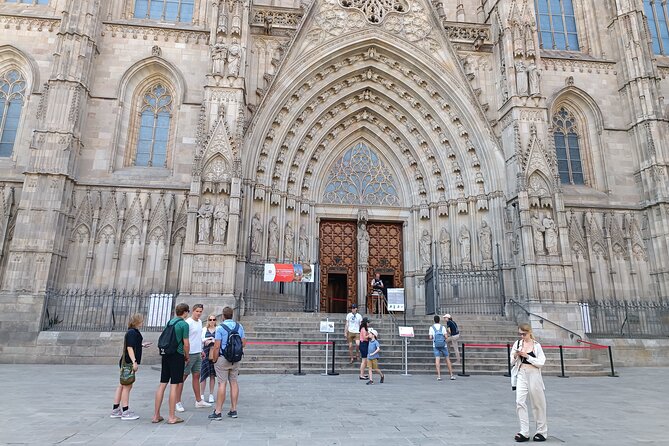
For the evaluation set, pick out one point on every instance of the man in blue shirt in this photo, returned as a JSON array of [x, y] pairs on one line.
[[225, 370]]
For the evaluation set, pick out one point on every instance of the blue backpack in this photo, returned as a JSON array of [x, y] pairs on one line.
[[233, 349], [439, 338]]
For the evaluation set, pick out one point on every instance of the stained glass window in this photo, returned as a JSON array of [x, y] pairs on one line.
[[557, 24], [360, 178], [154, 129], [657, 16], [168, 10], [567, 148], [12, 90]]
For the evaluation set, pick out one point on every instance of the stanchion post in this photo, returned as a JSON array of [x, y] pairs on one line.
[[613, 372], [332, 372], [508, 360], [463, 361], [299, 359], [562, 375]]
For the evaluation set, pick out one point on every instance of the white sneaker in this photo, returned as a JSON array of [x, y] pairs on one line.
[[202, 403], [180, 407], [116, 413], [129, 415], [211, 399]]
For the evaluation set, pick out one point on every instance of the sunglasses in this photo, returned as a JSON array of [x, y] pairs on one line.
[[522, 334], [212, 320]]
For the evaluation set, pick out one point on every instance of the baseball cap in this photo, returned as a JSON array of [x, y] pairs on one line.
[[374, 332], [354, 306], [447, 316]]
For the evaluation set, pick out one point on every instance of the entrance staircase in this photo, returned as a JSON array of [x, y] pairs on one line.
[[270, 348]]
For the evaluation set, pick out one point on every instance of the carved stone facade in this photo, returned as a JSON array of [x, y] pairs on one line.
[[450, 119]]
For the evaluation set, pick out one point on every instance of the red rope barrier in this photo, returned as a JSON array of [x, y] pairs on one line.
[[288, 343], [592, 343], [593, 346]]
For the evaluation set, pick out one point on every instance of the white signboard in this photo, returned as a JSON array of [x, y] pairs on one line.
[[406, 332], [327, 326], [395, 299]]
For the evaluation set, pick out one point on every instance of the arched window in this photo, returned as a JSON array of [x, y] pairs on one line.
[[567, 147], [657, 16], [167, 10], [155, 115], [12, 91], [557, 25], [29, 2]]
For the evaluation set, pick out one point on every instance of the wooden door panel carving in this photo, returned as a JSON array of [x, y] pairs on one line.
[[338, 254]]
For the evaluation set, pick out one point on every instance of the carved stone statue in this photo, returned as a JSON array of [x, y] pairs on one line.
[[426, 249], [304, 244], [465, 240], [363, 243], [273, 248], [288, 241], [220, 222], [256, 233], [234, 57], [538, 234], [445, 244], [550, 236], [204, 215], [534, 76], [485, 241], [219, 53], [521, 78]]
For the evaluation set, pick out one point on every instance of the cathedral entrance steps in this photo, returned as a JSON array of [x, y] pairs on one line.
[[265, 329]]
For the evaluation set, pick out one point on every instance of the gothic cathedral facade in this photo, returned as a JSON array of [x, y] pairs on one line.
[[168, 144]]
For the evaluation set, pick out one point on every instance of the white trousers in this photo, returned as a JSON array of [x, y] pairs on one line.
[[530, 382], [454, 343]]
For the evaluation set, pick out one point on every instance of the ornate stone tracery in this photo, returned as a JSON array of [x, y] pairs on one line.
[[375, 11]]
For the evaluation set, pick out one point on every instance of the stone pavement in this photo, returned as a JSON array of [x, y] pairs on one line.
[[65, 405]]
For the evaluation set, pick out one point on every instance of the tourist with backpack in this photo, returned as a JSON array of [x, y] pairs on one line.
[[438, 335], [453, 334], [229, 344], [173, 346]]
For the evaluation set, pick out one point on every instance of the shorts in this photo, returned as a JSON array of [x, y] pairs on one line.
[[172, 368], [352, 337], [373, 363], [194, 364], [440, 350], [225, 370], [364, 349]]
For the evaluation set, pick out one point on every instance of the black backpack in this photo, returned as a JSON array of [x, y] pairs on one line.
[[233, 350], [167, 342]]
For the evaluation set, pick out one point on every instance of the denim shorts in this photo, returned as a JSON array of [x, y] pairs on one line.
[[440, 350]]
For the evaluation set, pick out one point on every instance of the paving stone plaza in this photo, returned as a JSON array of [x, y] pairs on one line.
[[67, 405]]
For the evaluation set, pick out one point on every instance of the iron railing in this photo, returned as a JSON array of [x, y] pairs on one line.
[[466, 291], [632, 319], [259, 295], [105, 309]]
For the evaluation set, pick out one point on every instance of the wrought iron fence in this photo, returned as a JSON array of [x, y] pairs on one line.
[[278, 296], [466, 291], [633, 319], [105, 310]]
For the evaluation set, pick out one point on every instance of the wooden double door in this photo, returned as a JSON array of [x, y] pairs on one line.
[[338, 258]]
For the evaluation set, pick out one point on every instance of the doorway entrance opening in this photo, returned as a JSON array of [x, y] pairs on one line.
[[337, 293]]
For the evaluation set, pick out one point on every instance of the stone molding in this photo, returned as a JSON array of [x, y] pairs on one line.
[[155, 33], [282, 18], [29, 23]]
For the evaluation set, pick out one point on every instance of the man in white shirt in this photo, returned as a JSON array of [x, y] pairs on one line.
[[352, 331], [195, 358]]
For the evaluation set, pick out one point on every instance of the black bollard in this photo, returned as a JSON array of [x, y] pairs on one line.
[[613, 372], [562, 364], [332, 371], [508, 360], [463, 361], [299, 359]]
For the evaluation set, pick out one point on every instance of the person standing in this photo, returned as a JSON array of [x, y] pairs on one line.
[[195, 364], [527, 359], [363, 345], [438, 335], [172, 367], [453, 334], [373, 356], [207, 370], [226, 371], [352, 330], [132, 350]]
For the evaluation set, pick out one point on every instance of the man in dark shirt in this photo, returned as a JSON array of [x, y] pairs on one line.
[[453, 334]]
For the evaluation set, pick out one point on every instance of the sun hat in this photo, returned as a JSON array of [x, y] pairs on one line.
[[447, 316], [374, 332]]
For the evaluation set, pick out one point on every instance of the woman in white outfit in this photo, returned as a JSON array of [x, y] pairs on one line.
[[527, 358]]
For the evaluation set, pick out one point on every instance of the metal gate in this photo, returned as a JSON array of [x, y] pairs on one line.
[[259, 295], [464, 291]]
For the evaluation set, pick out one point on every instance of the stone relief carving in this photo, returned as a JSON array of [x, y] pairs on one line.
[[538, 230], [204, 217], [464, 238], [234, 58], [550, 235], [521, 79], [485, 242], [256, 234], [425, 247], [377, 10], [221, 214], [534, 76], [445, 246], [219, 54], [273, 244], [288, 241], [363, 243], [304, 244]]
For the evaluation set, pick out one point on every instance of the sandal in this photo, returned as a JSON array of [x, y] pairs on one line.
[[158, 420], [539, 437], [521, 438], [176, 420]]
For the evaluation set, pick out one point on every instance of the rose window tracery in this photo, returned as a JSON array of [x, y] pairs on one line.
[[376, 10], [360, 178]]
